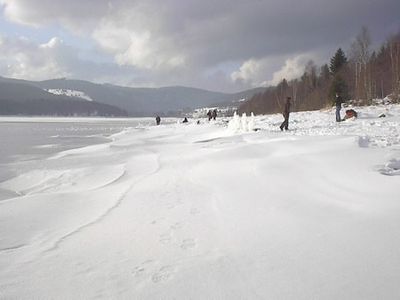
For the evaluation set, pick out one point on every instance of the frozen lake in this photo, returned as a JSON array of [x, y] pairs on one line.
[[27, 141]]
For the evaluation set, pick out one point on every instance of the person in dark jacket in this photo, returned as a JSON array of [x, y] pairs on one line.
[[338, 103], [285, 113], [209, 115], [158, 120], [214, 114]]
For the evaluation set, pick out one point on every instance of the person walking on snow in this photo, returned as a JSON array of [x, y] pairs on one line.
[[214, 114], [285, 113], [158, 120], [338, 103], [209, 115]]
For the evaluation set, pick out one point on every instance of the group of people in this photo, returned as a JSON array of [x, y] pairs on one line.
[[185, 120], [350, 113], [212, 114]]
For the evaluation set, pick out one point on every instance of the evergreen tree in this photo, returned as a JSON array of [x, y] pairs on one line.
[[325, 73], [338, 61], [339, 86]]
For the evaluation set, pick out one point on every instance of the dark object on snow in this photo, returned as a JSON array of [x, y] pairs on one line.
[[338, 103], [158, 120], [214, 114], [185, 120], [381, 116], [209, 115], [285, 113], [350, 113], [198, 122]]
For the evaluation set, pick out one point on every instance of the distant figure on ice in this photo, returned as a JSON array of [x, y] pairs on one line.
[[338, 103], [214, 114], [158, 120], [185, 120], [285, 113], [209, 115]]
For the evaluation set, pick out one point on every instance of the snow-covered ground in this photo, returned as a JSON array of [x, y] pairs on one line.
[[210, 211], [70, 93]]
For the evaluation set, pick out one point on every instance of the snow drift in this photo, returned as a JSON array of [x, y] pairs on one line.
[[209, 212]]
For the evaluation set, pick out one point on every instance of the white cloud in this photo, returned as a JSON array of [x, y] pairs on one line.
[[293, 68], [136, 48], [252, 72], [270, 71], [52, 43], [79, 16], [172, 34], [161, 42], [22, 58]]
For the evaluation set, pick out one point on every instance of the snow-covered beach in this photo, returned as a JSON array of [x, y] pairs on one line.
[[210, 211]]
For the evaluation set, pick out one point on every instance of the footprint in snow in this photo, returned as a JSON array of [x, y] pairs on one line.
[[165, 238], [137, 271], [176, 226], [163, 274], [140, 269], [173, 205], [194, 211], [188, 244]]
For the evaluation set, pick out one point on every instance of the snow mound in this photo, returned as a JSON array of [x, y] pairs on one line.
[[210, 211], [363, 141], [369, 128], [241, 124], [52, 181], [392, 167]]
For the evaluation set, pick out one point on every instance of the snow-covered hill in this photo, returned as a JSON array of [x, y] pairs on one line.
[[20, 97], [69, 93], [212, 211]]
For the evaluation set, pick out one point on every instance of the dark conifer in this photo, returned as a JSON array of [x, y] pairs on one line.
[[337, 61], [339, 86]]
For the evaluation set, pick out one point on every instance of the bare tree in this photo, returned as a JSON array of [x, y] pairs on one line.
[[294, 92], [394, 50], [281, 93], [360, 55]]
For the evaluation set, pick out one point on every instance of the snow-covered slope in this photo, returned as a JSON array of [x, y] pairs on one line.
[[69, 93], [209, 212]]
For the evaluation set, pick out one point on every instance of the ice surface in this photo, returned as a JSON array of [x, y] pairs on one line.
[[212, 211]]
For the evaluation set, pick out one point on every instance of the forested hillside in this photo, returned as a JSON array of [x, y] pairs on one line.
[[361, 75]]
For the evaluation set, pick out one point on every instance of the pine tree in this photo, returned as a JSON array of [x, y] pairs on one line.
[[325, 73], [339, 86], [338, 61]]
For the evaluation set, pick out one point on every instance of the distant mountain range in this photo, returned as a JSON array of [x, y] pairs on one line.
[[78, 97]]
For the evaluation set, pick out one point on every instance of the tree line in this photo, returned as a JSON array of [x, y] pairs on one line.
[[360, 76]]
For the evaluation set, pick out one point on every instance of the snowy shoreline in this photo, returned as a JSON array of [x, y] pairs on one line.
[[203, 212]]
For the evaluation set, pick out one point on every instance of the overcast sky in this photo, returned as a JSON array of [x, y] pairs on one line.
[[221, 45]]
